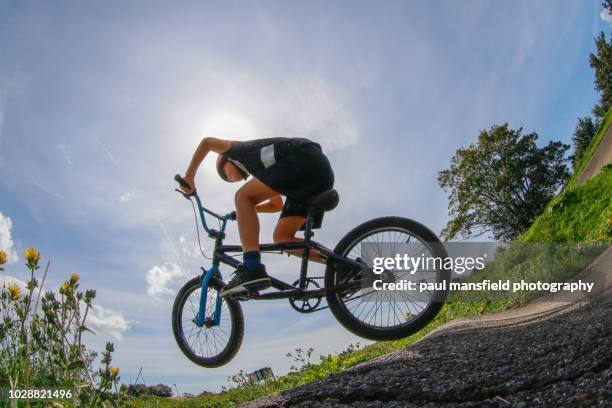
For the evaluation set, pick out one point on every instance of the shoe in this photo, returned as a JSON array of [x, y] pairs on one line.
[[246, 280]]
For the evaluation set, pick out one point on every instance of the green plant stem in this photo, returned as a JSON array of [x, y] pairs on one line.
[[42, 283], [82, 324]]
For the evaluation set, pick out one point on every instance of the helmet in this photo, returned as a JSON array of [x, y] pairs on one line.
[[221, 160]]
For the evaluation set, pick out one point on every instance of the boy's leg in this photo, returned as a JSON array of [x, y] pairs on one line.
[[285, 231], [253, 276], [247, 197]]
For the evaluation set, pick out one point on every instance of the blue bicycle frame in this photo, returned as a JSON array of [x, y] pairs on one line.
[[214, 269]]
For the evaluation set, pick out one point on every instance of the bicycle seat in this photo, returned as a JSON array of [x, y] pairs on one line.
[[325, 201]]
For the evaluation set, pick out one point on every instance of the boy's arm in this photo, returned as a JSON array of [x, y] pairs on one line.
[[208, 144], [274, 204]]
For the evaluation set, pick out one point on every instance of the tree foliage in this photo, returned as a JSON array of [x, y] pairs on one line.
[[502, 183], [584, 132], [137, 390], [601, 62], [161, 390]]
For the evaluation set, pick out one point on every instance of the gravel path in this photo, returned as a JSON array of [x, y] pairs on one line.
[[564, 360]]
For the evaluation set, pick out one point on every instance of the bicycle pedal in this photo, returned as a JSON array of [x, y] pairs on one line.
[[253, 294], [245, 295], [238, 295], [257, 285]]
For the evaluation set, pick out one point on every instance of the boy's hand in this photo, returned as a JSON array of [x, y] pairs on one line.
[[191, 182]]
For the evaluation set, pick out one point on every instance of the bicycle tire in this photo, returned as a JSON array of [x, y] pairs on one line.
[[236, 319], [350, 241]]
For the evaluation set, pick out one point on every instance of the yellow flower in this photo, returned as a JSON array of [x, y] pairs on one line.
[[32, 256], [14, 291], [114, 371], [74, 278], [3, 257], [66, 286]]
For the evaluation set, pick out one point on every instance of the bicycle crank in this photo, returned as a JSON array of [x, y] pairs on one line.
[[307, 304]]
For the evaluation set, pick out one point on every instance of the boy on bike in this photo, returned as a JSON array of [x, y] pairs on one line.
[[293, 167]]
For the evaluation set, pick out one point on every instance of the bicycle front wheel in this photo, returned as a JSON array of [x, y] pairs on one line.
[[207, 346], [376, 314]]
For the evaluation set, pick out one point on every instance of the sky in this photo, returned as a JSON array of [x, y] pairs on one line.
[[102, 103]]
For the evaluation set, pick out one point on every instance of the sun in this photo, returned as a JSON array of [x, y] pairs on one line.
[[229, 125]]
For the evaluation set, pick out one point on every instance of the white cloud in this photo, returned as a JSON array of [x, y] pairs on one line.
[[125, 196], [6, 240], [190, 249], [310, 108], [606, 16], [6, 279], [303, 107], [158, 278], [258, 106], [106, 321]]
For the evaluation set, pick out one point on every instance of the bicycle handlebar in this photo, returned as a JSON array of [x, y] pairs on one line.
[[224, 218], [182, 181]]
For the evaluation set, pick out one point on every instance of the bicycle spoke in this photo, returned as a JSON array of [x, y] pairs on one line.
[[388, 309], [205, 341]]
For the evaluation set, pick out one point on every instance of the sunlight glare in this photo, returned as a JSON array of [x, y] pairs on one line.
[[229, 125]]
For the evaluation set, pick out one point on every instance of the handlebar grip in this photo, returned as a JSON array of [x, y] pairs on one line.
[[181, 181], [232, 216]]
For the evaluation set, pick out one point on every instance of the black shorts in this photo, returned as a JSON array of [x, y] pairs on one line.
[[299, 175], [292, 209]]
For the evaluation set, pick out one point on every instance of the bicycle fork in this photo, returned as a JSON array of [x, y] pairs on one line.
[[201, 319]]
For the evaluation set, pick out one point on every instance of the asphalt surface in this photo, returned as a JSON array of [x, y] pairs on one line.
[[561, 360]]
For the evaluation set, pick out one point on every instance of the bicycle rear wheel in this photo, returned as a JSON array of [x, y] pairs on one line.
[[207, 346], [379, 315]]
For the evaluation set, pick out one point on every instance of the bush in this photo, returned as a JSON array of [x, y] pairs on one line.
[[161, 390], [43, 348], [137, 390]]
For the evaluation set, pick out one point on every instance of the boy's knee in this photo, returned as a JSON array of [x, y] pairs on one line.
[[241, 197]]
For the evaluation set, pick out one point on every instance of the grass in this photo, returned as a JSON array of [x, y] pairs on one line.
[[579, 214], [590, 151]]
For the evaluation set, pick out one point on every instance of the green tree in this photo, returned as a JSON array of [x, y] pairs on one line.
[[502, 183], [601, 62], [161, 390], [583, 134], [136, 390]]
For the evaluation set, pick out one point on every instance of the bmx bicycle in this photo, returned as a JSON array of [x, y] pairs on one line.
[[209, 329]]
